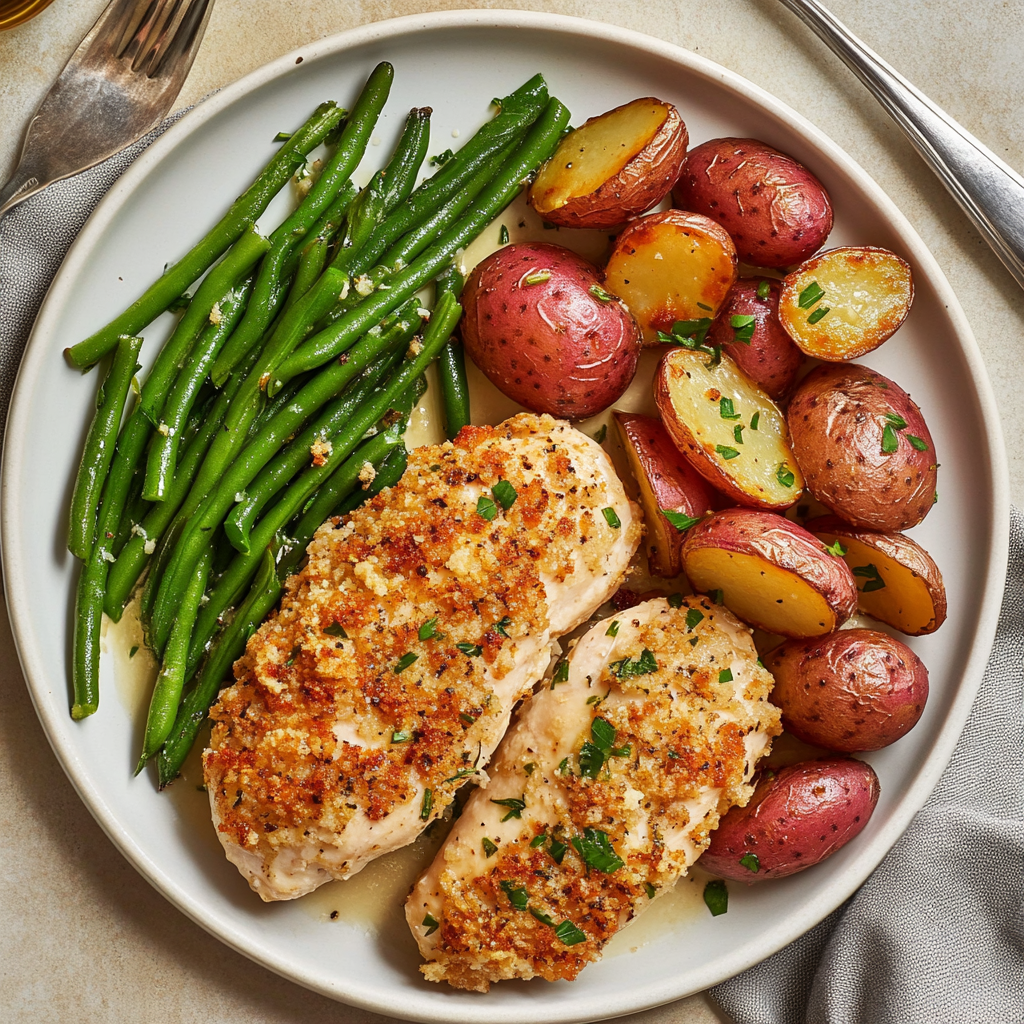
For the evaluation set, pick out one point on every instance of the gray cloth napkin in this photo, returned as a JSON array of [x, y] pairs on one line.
[[935, 935]]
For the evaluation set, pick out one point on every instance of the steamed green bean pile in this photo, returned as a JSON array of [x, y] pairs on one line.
[[283, 393]]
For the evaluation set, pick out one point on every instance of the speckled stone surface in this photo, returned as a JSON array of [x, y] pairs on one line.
[[84, 937]]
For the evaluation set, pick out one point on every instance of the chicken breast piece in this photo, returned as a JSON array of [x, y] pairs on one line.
[[601, 795], [389, 674]]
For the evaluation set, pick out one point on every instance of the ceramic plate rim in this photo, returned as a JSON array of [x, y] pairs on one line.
[[15, 576]]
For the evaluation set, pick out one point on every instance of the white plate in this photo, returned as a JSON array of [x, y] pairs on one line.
[[456, 62]]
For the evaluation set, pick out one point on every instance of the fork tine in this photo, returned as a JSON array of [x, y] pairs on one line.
[[180, 47], [164, 22], [136, 16]]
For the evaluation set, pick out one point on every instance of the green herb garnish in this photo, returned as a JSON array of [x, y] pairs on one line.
[[282, 136], [561, 673], [431, 924], [428, 803], [556, 850], [502, 625], [569, 935], [486, 508], [296, 651], [650, 890], [919, 443], [890, 439], [737, 432], [693, 617], [599, 293], [595, 848], [401, 736], [442, 158], [467, 718], [871, 574], [428, 629], [763, 290], [337, 629], [716, 897], [490, 849], [515, 806], [404, 662], [726, 452], [785, 475], [750, 862], [505, 494], [717, 597], [675, 600], [626, 668], [726, 409], [517, 894], [820, 313], [680, 520], [530, 767], [897, 421], [542, 917], [473, 650], [743, 327], [613, 629], [539, 278], [836, 549], [611, 518], [810, 295], [601, 433], [538, 841], [725, 675], [596, 751], [133, 651], [700, 305], [503, 235]]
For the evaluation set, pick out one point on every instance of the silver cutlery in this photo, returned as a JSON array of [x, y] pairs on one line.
[[989, 191], [118, 84]]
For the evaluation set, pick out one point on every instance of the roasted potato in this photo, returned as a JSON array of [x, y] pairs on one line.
[[776, 210], [795, 819], [771, 572], [863, 447], [613, 167], [671, 266], [667, 483], [845, 302], [856, 689], [898, 583], [747, 327], [545, 333], [730, 430]]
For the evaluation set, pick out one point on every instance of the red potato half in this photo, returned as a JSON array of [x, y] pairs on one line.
[[613, 167], [863, 446], [671, 266], [857, 689], [768, 355], [731, 431], [844, 303], [545, 333], [666, 482], [796, 818], [772, 573], [775, 209]]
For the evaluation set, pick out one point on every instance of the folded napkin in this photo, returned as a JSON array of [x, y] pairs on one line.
[[935, 935]]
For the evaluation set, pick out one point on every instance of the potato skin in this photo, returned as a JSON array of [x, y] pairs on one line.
[[856, 689], [552, 346], [771, 360], [837, 419], [641, 184], [795, 819], [776, 210]]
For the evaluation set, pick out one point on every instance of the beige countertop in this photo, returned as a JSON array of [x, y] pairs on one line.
[[84, 935]]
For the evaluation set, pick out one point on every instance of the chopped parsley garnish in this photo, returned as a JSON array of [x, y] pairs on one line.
[[462, 773], [596, 751], [726, 452], [717, 596], [442, 158], [501, 625], [505, 494], [725, 675], [428, 629], [650, 890], [754, 420], [613, 629], [737, 432], [538, 841], [897, 421], [515, 805], [503, 235], [490, 849], [467, 718], [296, 651], [688, 333], [693, 617], [282, 136], [428, 803], [473, 650], [561, 673], [871, 574], [431, 924], [750, 862], [820, 313], [401, 736], [556, 851], [601, 433], [700, 305], [694, 640], [675, 600], [539, 278], [641, 666], [726, 409], [890, 439], [599, 293], [716, 897], [680, 520], [836, 549], [133, 651], [743, 327], [810, 295], [337, 629], [486, 508], [517, 894], [569, 935], [530, 767], [596, 699], [597, 852], [563, 766], [917, 442], [404, 662], [611, 518], [785, 475], [542, 917], [763, 290]]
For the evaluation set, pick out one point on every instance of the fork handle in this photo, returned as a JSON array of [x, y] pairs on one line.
[[24, 182], [989, 191]]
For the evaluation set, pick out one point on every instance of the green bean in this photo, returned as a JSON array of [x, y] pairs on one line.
[[451, 366], [350, 150], [85, 670], [163, 448], [538, 145], [163, 705], [243, 213], [263, 595], [99, 446]]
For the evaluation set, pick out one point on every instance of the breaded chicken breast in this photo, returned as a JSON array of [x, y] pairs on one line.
[[601, 795], [389, 674]]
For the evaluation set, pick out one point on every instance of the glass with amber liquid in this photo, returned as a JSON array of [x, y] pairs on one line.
[[14, 12]]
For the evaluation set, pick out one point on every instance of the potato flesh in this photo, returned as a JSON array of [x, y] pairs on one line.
[[905, 602], [596, 152], [760, 593], [867, 293], [696, 390]]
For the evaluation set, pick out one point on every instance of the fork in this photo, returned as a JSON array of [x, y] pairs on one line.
[[989, 191], [118, 84]]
